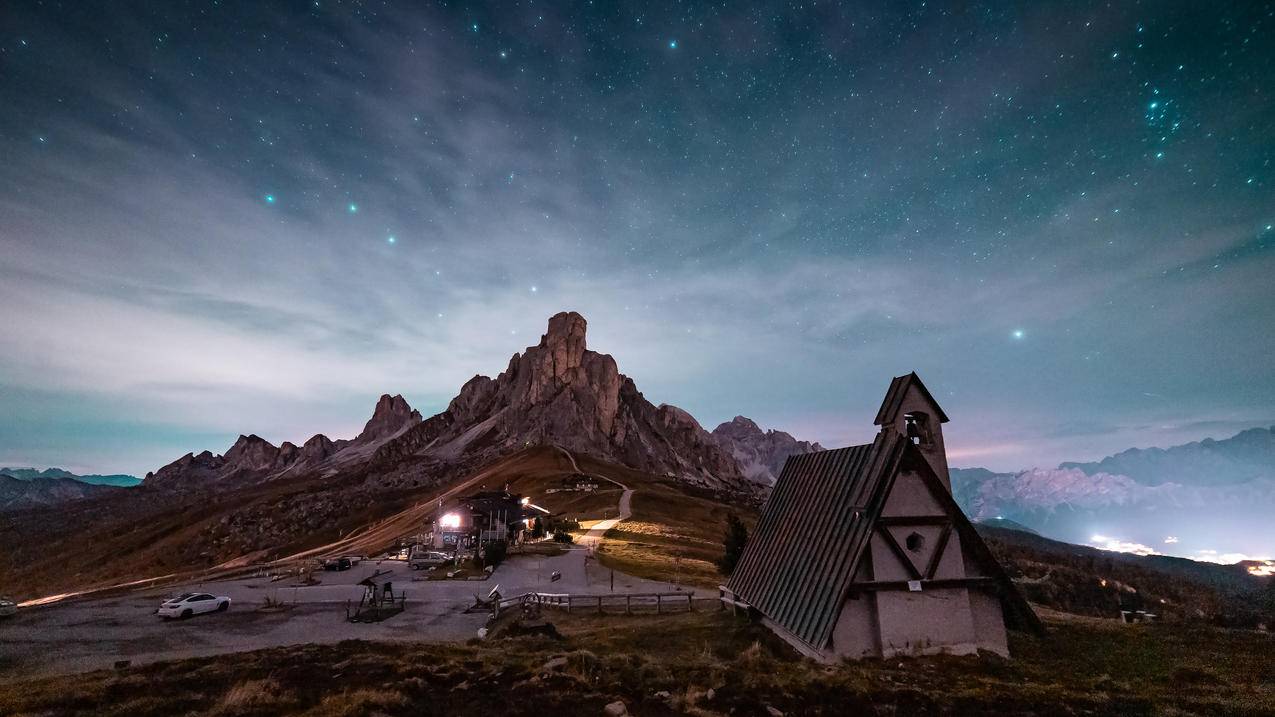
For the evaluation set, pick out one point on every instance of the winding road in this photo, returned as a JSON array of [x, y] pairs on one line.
[[593, 537]]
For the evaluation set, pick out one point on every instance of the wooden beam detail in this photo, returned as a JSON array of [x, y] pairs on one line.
[[925, 584], [914, 520], [898, 552], [939, 547]]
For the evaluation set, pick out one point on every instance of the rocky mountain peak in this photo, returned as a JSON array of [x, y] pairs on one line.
[[564, 344], [761, 454], [251, 453], [391, 415], [560, 392], [556, 392], [739, 427]]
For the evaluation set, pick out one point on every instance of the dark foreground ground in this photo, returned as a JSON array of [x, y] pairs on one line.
[[699, 663]]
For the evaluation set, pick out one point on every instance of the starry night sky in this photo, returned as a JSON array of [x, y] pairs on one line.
[[219, 218]]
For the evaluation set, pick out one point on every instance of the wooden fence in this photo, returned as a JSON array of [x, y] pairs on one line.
[[600, 603]]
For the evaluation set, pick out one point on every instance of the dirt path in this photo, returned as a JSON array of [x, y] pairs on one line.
[[593, 537]]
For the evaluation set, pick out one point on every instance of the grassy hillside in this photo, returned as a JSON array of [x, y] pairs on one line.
[[1088, 581], [704, 663], [145, 533], [673, 535]]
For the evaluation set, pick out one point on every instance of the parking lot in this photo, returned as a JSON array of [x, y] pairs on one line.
[[88, 634]]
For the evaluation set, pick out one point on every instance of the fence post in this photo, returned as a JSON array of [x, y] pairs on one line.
[[628, 604], [599, 604], [690, 606], [659, 603]]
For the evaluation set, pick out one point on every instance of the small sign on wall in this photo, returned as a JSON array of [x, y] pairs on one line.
[[914, 586]]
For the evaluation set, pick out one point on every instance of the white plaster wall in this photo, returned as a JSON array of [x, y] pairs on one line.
[[910, 496], [885, 566], [855, 634], [989, 622], [925, 622]]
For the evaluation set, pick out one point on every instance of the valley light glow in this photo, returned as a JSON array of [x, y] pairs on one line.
[[1103, 542]]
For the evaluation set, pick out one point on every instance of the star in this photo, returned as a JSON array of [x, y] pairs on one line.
[[1018, 333], [391, 239], [672, 44], [269, 199], [353, 208], [534, 290]]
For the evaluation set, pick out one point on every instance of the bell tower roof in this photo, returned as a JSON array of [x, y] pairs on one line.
[[894, 397]]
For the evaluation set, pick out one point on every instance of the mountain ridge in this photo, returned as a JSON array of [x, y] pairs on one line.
[[1143, 499], [761, 454], [118, 479], [556, 392], [19, 493]]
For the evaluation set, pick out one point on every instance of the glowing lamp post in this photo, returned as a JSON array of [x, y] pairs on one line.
[[449, 520]]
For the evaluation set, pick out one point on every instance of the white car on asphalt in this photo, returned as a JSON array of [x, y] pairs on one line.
[[192, 604]]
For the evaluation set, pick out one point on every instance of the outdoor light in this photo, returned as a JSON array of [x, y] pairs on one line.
[[526, 500], [450, 520]]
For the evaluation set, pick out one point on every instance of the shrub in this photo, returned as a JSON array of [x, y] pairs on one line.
[[494, 553], [733, 541]]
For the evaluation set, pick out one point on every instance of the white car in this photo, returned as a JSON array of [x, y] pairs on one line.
[[192, 604], [8, 608]]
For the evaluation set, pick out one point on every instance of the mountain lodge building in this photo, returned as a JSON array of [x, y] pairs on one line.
[[863, 552]]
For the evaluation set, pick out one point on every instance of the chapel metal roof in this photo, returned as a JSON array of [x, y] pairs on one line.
[[799, 564]]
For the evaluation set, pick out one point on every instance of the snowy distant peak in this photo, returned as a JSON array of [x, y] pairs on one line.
[[1244, 457], [761, 454]]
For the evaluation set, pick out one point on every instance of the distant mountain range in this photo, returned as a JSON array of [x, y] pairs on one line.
[[1205, 499], [18, 493], [1246, 456], [123, 481]]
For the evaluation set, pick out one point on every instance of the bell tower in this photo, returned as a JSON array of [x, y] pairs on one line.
[[910, 409]]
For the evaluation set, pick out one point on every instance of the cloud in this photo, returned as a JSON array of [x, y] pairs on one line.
[[774, 258], [1214, 556], [1121, 546]]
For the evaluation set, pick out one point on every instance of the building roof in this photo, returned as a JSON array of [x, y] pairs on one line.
[[800, 562], [899, 386]]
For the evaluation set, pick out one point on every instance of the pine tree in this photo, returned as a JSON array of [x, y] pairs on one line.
[[733, 541]]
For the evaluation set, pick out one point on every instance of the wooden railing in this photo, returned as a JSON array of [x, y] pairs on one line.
[[600, 602]]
